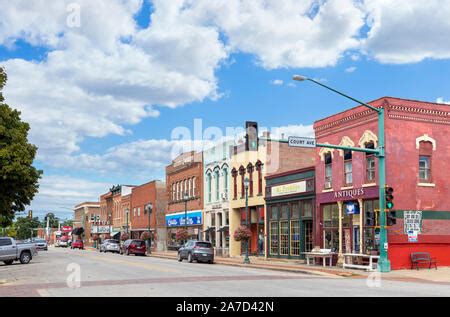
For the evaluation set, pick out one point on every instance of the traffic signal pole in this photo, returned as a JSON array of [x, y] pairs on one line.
[[384, 264]]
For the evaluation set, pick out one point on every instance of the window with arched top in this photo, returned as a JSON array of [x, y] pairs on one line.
[[425, 156], [328, 159], [348, 167], [194, 185], [242, 173], [234, 174], [250, 177], [259, 167], [370, 163]]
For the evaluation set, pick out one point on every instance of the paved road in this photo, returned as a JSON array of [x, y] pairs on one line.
[[54, 273]]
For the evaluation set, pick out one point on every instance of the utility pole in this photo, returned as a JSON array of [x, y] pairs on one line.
[[384, 264]]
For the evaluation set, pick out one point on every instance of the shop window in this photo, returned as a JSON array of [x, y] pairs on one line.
[[273, 231], [284, 212], [295, 210], [331, 239], [371, 231], [331, 215], [328, 170], [295, 238], [348, 173], [284, 237], [307, 208], [273, 213]]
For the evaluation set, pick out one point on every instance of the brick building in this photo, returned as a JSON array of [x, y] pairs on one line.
[[255, 159], [153, 193], [417, 149], [184, 182], [84, 217]]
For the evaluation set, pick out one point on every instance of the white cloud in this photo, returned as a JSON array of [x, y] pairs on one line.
[[408, 31], [277, 82], [441, 100], [64, 191], [350, 69], [292, 130]]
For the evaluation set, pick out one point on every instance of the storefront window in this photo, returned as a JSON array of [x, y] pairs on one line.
[[284, 237], [295, 211], [274, 213], [307, 208], [331, 239], [371, 232], [274, 237], [331, 215], [295, 237]]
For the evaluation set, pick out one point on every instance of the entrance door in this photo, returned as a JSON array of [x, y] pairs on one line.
[[284, 237], [356, 235], [308, 235]]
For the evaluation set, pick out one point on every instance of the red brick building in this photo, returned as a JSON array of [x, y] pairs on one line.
[[153, 193], [84, 217], [184, 176], [417, 149]]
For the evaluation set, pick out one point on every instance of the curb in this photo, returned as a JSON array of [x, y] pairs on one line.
[[261, 267]]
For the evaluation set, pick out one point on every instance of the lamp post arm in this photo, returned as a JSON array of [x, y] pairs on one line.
[[350, 148], [344, 95]]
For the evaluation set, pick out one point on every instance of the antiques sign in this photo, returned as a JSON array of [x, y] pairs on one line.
[[350, 193], [412, 221]]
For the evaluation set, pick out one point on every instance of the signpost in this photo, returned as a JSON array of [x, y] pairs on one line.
[[296, 141]]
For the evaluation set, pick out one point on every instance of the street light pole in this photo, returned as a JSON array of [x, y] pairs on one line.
[[185, 198], [384, 264], [246, 183], [149, 210]]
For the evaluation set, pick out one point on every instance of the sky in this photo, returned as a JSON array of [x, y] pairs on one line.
[[110, 87]]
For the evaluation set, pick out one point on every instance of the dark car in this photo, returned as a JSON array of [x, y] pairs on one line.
[[77, 244], [133, 246], [200, 251]]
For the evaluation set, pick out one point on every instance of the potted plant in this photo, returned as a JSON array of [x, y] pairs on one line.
[[181, 235], [242, 233]]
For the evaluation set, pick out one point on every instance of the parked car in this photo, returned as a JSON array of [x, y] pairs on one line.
[[200, 251], [63, 242], [41, 244], [11, 250], [133, 246], [110, 245], [77, 244]]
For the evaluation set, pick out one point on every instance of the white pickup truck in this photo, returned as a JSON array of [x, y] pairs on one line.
[[11, 251]]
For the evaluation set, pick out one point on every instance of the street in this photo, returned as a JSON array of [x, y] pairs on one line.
[[55, 272]]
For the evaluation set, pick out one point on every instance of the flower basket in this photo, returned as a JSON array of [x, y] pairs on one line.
[[182, 235], [95, 237], [124, 237], [146, 235], [242, 234]]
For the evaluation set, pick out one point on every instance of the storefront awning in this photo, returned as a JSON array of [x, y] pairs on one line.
[[224, 228]]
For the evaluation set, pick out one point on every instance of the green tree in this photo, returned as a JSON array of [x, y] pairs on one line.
[[25, 227], [67, 222], [18, 177], [52, 222]]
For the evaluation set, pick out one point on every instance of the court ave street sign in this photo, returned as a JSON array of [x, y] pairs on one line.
[[301, 141]]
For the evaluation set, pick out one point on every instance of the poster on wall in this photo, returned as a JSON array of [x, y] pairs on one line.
[[412, 236], [412, 221]]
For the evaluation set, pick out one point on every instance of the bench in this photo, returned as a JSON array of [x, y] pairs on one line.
[[319, 253], [350, 258], [422, 258]]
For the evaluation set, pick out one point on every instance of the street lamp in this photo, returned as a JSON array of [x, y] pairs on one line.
[[127, 211], [384, 264], [149, 209], [246, 183], [185, 199]]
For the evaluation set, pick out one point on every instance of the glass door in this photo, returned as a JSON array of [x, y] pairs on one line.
[[308, 235]]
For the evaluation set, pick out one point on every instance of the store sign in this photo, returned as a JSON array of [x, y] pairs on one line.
[[194, 218], [352, 208], [101, 229], [412, 221], [66, 229], [287, 189], [349, 193]]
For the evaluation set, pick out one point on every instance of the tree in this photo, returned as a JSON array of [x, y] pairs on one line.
[[67, 222], [25, 227], [18, 177], [52, 222]]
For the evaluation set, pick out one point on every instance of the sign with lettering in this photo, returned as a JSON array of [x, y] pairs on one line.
[[301, 142], [287, 189], [101, 229], [412, 221], [349, 193], [413, 236], [194, 218]]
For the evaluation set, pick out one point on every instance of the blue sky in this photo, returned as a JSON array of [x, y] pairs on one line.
[[108, 101]]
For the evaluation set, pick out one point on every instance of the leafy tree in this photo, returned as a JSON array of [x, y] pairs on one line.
[[52, 222], [67, 222], [25, 226], [18, 177]]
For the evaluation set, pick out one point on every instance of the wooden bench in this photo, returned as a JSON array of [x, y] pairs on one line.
[[351, 258], [422, 258], [320, 253]]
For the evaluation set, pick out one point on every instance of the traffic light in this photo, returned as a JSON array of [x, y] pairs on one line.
[[391, 218], [389, 197], [30, 214]]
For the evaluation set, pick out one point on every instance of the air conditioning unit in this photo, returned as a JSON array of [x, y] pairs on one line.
[[327, 185], [224, 196]]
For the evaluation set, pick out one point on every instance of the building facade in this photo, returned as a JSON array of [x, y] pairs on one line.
[[85, 215], [184, 186], [141, 215], [255, 159], [290, 201], [217, 184], [347, 217]]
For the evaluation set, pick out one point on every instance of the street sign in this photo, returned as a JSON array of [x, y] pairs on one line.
[[297, 141]]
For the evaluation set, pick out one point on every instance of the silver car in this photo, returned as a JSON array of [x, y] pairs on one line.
[[110, 245], [41, 244]]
